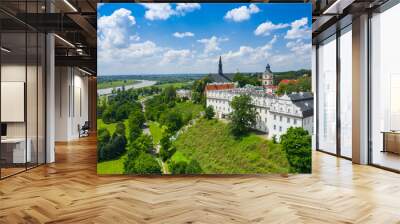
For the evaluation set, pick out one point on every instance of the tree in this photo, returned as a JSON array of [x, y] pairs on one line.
[[172, 119], [134, 132], [108, 115], [111, 147], [304, 83], [142, 164], [297, 145], [193, 167], [118, 143], [196, 97], [103, 136], [166, 147], [274, 139], [243, 80], [178, 167], [167, 153], [145, 143], [169, 94], [198, 88], [209, 112], [243, 116], [120, 128], [136, 118], [135, 123]]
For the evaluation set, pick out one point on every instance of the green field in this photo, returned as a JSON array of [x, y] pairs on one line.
[[112, 166], [176, 85], [156, 131], [111, 127], [115, 83], [217, 151]]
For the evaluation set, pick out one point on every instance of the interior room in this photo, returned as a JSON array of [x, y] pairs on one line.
[[45, 83], [385, 89], [348, 45], [22, 99]]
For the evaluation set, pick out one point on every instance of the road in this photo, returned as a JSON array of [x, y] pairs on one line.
[[141, 84]]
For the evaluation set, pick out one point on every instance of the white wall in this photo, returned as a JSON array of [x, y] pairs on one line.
[[71, 102]]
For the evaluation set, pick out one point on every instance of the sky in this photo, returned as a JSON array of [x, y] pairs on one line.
[[189, 38]]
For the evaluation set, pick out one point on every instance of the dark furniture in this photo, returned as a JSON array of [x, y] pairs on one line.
[[391, 141], [84, 130]]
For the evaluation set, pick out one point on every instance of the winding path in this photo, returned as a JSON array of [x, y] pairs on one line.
[[157, 147]]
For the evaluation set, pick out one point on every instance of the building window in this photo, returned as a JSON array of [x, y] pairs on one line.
[[288, 120], [274, 127], [280, 118], [280, 128], [274, 117], [294, 121]]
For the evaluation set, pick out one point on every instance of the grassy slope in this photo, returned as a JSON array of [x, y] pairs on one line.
[[156, 131], [116, 83], [115, 166], [211, 144], [189, 107]]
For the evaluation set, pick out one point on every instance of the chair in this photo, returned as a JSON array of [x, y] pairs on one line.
[[84, 130]]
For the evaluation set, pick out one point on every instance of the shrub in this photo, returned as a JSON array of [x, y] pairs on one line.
[[172, 120], [178, 167], [209, 112], [297, 144], [193, 167], [142, 164]]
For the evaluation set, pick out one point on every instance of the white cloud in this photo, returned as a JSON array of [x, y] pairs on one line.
[[158, 11], [299, 29], [182, 35], [115, 30], [266, 28], [242, 13], [212, 44], [273, 40], [249, 55], [163, 11], [183, 8], [176, 56], [299, 47]]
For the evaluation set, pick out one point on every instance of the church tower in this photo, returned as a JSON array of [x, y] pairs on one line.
[[267, 77], [220, 67]]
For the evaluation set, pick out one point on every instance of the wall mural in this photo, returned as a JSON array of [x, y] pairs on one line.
[[192, 88]]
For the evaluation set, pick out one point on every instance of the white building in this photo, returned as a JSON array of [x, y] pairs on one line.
[[275, 113], [184, 93]]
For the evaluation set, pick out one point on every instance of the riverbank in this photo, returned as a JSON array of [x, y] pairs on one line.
[[139, 84]]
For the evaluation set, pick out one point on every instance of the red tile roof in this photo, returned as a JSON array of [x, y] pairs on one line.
[[221, 86], [287, 81]]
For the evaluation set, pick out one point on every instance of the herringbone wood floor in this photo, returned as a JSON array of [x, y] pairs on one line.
[[69, 191]]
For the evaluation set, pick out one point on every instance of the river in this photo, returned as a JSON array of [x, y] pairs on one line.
[[141, 84]]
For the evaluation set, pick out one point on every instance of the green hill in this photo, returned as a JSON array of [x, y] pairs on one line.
[[218, 152]]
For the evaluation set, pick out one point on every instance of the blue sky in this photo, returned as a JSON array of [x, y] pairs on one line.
[[164, 38]]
